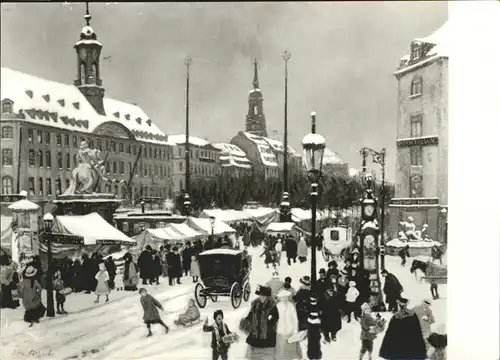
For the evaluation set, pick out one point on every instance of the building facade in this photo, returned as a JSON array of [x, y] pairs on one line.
[[422, 136], [334, 164], [233, 161], [204, 162], [43, 124]]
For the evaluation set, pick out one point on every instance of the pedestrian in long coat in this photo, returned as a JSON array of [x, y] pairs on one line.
[[275, 284], [426, 318], [291, 250], [302, 250], [331, 318], [174, 266], [31, 293], [195, 268], [145, 264], [186, 258], [301, 299], [151, 315], [260, 325], [288, 325], [130, 274], [87, 274], [111, 269], [392, 290], [156, 268]]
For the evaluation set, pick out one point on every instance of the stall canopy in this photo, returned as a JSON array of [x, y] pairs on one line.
[[204, 225], [92, 227], [277, 227], [186, 231], [157, 237], [24, 205], [299, 214], [227, 216], [263, 215]]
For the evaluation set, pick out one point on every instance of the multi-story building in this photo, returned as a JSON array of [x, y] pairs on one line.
[[334, 164], [44, 122], [203, 161], [234, 162], [422, 135]]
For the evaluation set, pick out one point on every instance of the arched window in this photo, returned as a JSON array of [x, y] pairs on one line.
[[7, 187], [7, 132], [416, 86]]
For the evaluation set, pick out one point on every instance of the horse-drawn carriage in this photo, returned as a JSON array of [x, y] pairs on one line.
[[224, 272], [335, 241]]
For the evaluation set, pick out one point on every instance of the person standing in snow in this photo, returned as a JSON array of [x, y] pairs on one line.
[[195, 269], [102, 278], [301, 299], [151, 315], [260, 325], [275, 284], [403, 254], [58, 285], [288, 286], [331, 318], [426, 318], [111, 269], [350, 299], [302, 250], [279, 250], [219, 330], [187, 252], [370, 327], [174, 267], [291, 250], [130, 275], [155, 267], [392, 290], [31, 293], [144, 264], [288, 325]]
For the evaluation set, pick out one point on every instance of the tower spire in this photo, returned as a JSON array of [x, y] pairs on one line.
[[255, 75], [87, 13]]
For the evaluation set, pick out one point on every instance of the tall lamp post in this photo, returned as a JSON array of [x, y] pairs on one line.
[[378, 157], [314, 147], [284, 207], [48, 220], [187, 61], [212, 225]]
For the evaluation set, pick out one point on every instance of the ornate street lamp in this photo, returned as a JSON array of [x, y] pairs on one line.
[[187, 204], [212, 224], [187, 61], [314, 147], [48, 221], [285, 214]]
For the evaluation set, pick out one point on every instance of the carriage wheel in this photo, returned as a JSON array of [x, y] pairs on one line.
[[326, 257], [236, 295], [201, 299], [246, 291], [214, 298]]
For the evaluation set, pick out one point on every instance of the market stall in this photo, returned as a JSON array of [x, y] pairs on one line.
[[204, 225]]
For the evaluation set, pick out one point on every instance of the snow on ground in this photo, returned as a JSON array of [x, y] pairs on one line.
[[115, 330]]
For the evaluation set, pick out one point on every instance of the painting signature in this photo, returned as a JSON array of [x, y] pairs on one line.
[[33, 353]]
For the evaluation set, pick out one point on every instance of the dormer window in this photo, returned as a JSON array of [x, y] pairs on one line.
[[46, 97], [127, 116], [61, 102], [416, 86], [76, 105], [117, 114], [148, 122], [416, 51], [7, 106], [29, 93], [139, 120]]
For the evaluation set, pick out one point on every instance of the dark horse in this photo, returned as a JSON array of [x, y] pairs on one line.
[[434, 274]]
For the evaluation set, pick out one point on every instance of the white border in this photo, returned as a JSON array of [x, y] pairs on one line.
[[474, 161]]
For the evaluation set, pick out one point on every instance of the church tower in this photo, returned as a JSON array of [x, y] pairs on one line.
[[256, 121], [88, 51]]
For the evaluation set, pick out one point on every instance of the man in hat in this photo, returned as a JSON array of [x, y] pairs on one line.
[[323, 284], [260, 326], [403, 338], [332, 269], [302, 301], [392, 290], [426, 318], [275, 284]]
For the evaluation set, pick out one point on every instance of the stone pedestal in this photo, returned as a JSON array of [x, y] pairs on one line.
[[83, 204]]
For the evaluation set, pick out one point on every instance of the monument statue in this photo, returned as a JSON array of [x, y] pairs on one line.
[[410, 231], [89, 172]]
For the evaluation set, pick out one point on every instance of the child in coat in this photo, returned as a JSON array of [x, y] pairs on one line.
[[350, 300], [190, 315], [102, 287], [220, 340], [195, 269], [151, 315], [60, 296], [370, 327]]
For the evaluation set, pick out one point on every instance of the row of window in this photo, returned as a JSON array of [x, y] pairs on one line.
[[200, 169], [197, 154], [42, 137], [45, 186]]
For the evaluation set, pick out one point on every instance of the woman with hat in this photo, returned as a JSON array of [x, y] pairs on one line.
[[31, 293], [288, 325], [260, 326], [302, 250], [331, 318], [302, 301]]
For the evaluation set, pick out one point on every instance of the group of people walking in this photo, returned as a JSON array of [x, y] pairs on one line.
[[275, 246]]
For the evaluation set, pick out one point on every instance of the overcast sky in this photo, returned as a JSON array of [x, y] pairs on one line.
[[343, 57]]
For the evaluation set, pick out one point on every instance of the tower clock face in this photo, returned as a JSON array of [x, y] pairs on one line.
[[369, 209], [83, 53]]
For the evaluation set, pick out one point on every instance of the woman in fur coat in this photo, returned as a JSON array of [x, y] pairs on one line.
[[260, 326], [288, 325], [130, 274], [31, 292]]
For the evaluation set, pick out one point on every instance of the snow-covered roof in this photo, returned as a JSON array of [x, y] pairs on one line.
[[221, 252], [280, 227], [193, 140], [63, 106], [267, 155], [439, 47], [232, 155], [24, 205]]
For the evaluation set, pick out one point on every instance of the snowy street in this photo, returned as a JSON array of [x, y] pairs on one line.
[[116, 331]]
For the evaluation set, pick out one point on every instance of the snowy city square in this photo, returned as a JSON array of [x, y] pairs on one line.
[[192, 219]]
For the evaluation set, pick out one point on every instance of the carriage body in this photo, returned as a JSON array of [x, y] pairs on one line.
[[223, 272], [433, 273], [335, 240]]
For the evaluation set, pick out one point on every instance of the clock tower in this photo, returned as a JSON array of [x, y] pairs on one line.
[[88, 51]]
